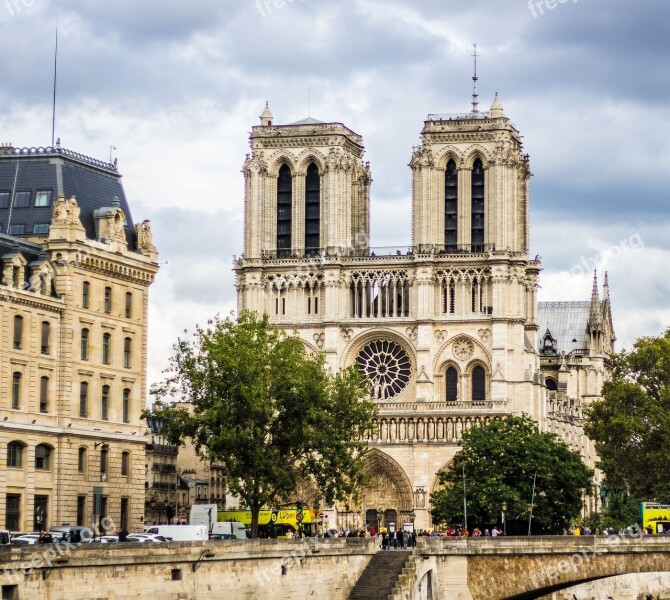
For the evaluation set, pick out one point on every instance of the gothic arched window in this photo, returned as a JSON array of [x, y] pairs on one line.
[[478, 384], [452, 384], [312, 210], [284, 211], [477, 232], [451, 207]]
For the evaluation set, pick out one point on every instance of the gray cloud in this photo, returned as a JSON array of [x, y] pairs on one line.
[[176, 87]]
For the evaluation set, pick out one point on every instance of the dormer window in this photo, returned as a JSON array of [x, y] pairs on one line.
[[17, 229], [43, 198], [4, 199], [41, 228], [22, 199]]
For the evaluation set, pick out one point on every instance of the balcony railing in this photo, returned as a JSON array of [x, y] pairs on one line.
[[163, 485], [380, 251], [162, 449], [439, 407]]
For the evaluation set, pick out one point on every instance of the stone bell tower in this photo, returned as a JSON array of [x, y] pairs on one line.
[[470, 183], [307, 190]]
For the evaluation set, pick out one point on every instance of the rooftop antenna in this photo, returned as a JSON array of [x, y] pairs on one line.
[[475, 96], [53, 111]]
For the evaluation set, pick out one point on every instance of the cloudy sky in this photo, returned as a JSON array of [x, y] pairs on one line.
[[176, 86]]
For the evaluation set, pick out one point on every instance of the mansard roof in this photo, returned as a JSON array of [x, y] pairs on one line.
[[94, 183], [567, 322]]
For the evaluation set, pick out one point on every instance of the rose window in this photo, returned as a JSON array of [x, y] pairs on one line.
[[387, 366]]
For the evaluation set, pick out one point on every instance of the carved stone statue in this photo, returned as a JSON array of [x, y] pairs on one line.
[[144, 236], [66, 212]]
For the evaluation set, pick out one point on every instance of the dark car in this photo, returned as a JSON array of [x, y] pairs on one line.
[[71, 533]]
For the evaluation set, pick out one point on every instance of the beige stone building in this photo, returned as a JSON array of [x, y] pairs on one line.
[[177, 478], [446, 328], [76, 273]]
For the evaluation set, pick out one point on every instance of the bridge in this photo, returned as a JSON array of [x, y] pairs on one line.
[[504, 568], [520, 568]]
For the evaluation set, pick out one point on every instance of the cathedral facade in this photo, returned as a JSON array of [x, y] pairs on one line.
[[446, 329]]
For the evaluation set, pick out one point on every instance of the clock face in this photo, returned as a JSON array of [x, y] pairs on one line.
[[463, 349]]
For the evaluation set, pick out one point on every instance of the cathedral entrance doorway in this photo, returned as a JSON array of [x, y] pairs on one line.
[[387, 496]]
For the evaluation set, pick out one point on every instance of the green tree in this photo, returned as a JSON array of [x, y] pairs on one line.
[[631, 424], [267, 411], [499, 462]]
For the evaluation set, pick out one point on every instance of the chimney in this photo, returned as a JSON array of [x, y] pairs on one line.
[[6, 145]]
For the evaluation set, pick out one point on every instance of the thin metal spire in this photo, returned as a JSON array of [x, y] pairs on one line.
[[53, 110], [475, 96]]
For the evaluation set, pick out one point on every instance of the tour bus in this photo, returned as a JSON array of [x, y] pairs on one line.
[[655, 516], [276, 522]]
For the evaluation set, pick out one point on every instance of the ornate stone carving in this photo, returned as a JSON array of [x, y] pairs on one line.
[[484, 334], [144, 236], [66, 212], [441, 335], [422, 157], [346, 334], [463, 348], [411, 333], [333, 160], [320, 339]]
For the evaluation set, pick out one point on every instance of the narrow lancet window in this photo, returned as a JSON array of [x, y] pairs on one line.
[[312, 211], [451, 207], [284, 211], [477, 232]]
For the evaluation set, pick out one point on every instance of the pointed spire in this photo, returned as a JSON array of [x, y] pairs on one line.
[[596, 314], [266, 116], [497, 108], [595, 297], [606, 288]]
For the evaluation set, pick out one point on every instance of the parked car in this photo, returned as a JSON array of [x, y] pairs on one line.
[[26, 539], [145, 537], [71, 533]]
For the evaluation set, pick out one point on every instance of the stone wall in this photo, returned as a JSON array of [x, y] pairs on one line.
[[238, 570]]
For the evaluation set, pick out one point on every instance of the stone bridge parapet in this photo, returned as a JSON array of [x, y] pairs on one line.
[[515, 568]]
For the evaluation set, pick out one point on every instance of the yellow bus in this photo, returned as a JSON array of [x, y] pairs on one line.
[[655, 516], [277, 522]]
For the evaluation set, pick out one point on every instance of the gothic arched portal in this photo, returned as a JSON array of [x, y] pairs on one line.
[[387, 496]]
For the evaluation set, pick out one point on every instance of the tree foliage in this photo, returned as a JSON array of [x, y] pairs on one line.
[[499, 462], [267, 411], [631, 424]]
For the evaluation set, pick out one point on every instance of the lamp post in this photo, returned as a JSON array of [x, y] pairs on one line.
[[166, 505], [532, 501], [503, 508]]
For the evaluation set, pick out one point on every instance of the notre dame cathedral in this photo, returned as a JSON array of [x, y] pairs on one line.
[[449, 329]]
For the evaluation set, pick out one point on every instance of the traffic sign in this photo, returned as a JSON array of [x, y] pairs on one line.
[[299, 517]]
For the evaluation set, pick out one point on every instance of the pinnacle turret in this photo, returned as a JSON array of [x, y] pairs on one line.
[[266, 117]]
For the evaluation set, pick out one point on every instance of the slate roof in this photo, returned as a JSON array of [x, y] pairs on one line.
[[94, 183], [567, 321], [308, 121]]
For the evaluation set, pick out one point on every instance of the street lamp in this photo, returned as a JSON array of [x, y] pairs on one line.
[[503, 507], [166, 505], [530, 516]]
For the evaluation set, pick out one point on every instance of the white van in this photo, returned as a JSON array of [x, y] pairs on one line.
[[230, 530], [180, 533]]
